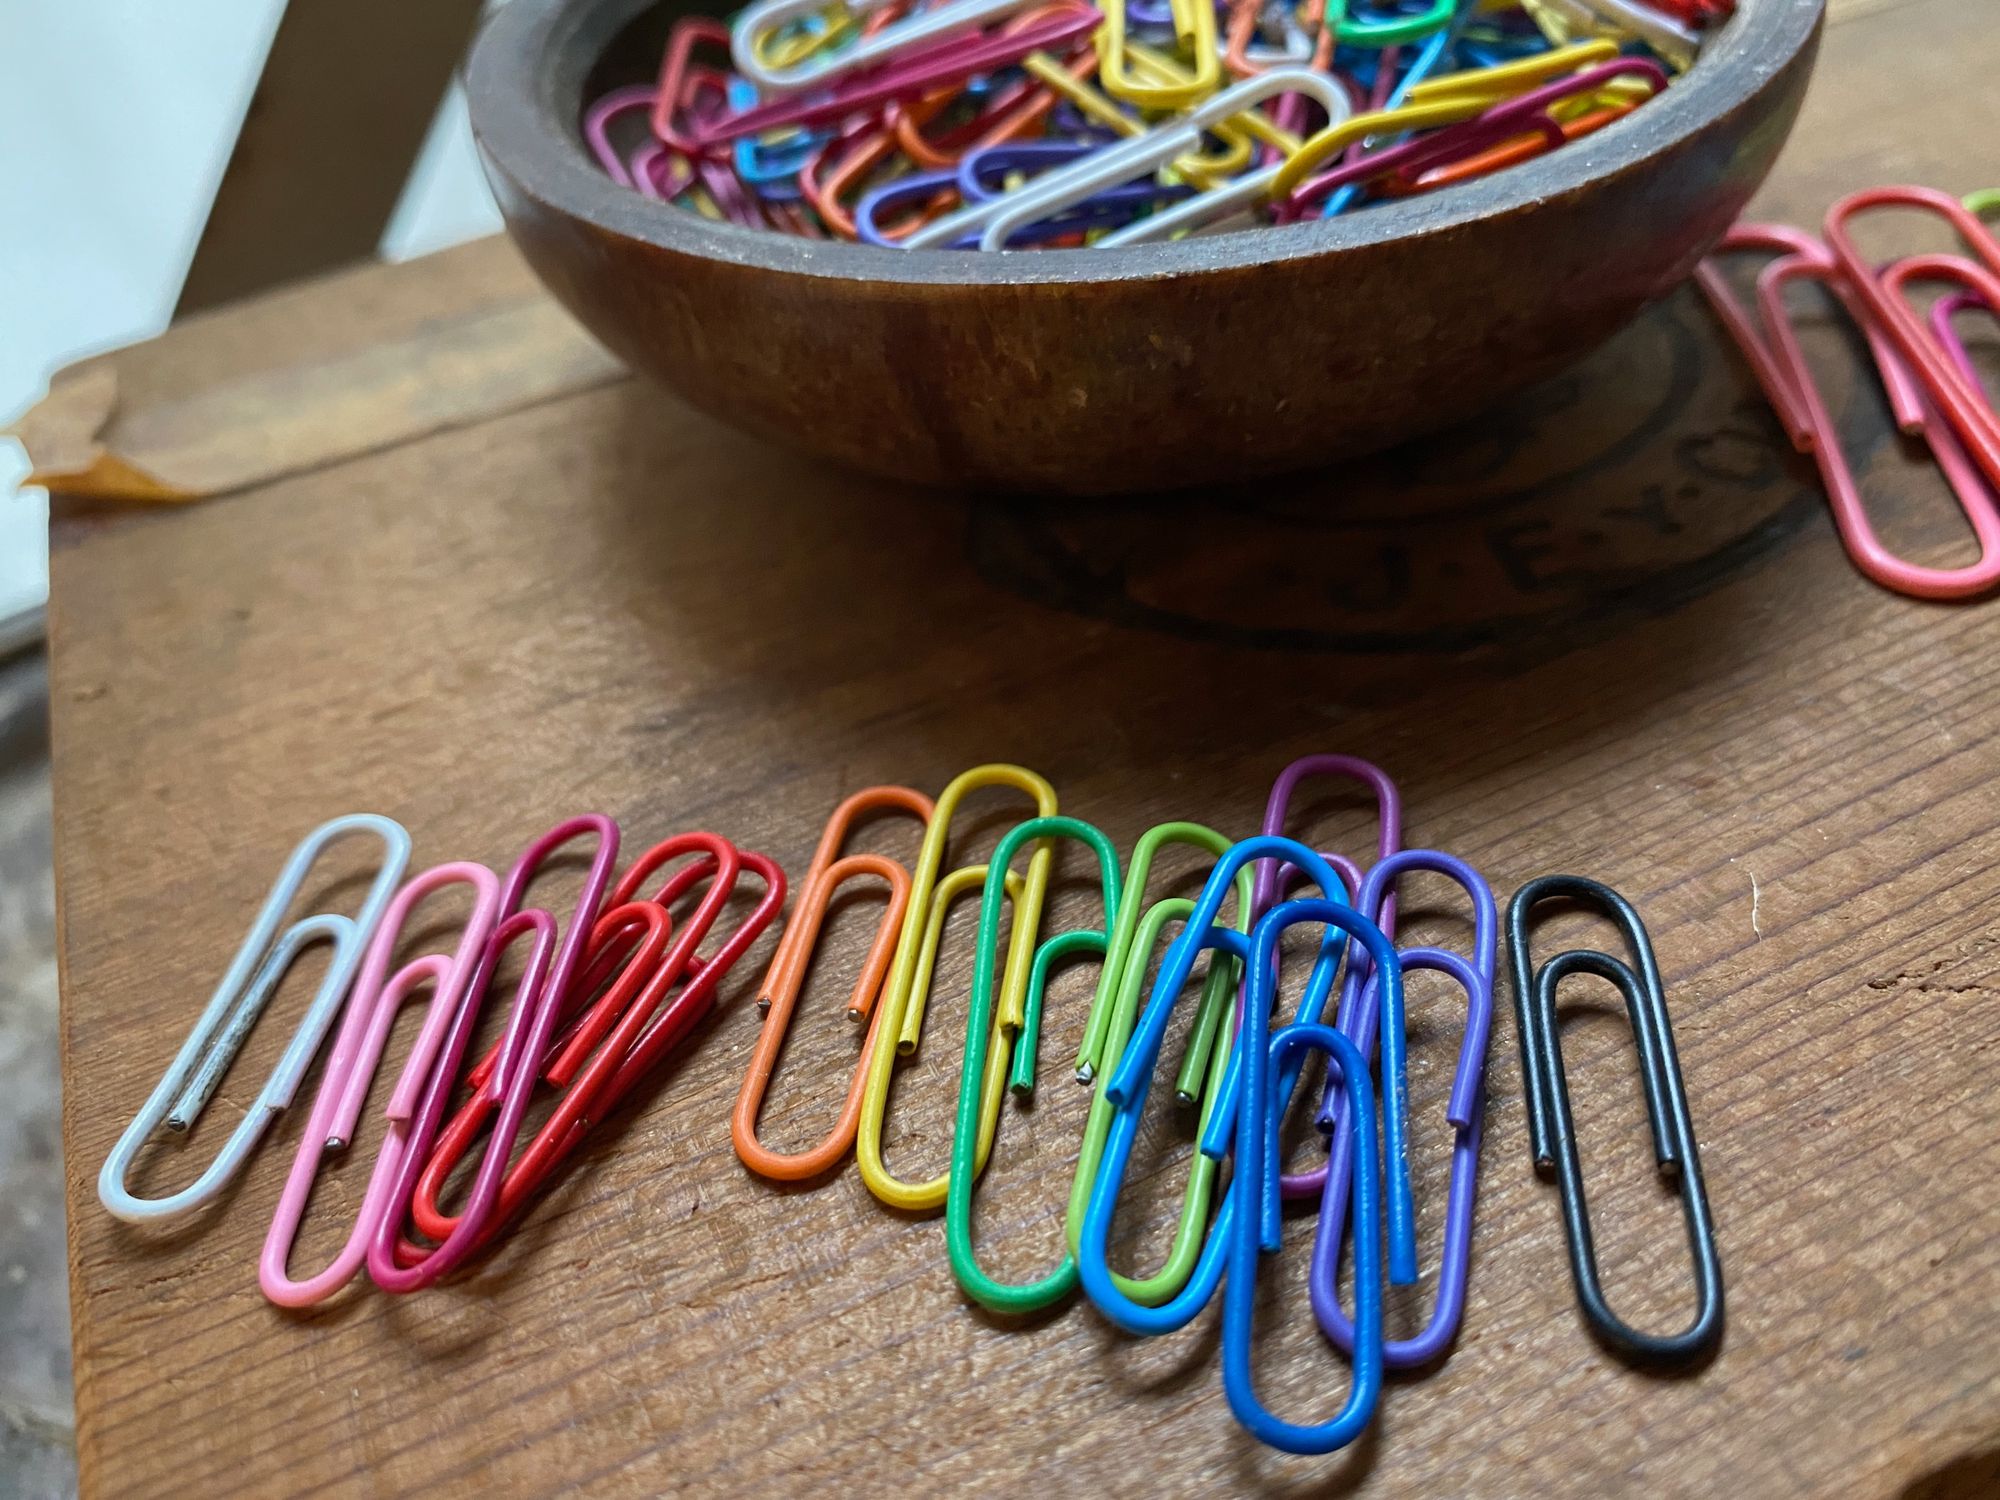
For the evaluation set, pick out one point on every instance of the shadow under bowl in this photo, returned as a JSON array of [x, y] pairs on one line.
[[1087, 371]]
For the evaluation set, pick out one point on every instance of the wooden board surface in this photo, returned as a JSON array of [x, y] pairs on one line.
[[1607, 630]]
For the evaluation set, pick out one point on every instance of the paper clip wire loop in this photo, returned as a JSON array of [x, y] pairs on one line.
[[1191, 1229], [750, 26], [608, 1050], [983, 1028], [1551, 1126], [1258, 1229], [1092, 1057], [529, 1022], [1464, 1111], [239, 999]]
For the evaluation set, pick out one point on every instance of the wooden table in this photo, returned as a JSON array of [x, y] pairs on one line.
[[465, 574]]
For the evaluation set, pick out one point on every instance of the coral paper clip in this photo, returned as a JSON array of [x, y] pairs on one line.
[[226, 1021], [1552, 1130], [1870, 554], [786, 977]]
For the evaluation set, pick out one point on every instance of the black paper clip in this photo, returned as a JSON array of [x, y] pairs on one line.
[[1552, 1127]]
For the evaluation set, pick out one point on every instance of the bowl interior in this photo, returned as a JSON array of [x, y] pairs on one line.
[[564, 53]]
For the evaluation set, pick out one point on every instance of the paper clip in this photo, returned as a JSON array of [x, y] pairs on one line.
[[1823, 439], [1287, 1049], [751, 25], [903, 998], [1967, 409], [357, 1053], [1465, 1111], [1114, 1010], [1394, 30], [1096, 1055], [232, 1011], [1128, 1085], [1258, 1227], [1551, 1127], [786, 977], [1194, 29], [982, 1027], [671, 95], [1230, 197]]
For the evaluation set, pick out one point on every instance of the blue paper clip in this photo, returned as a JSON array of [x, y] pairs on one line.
[[771, 169], [1266, 1061]]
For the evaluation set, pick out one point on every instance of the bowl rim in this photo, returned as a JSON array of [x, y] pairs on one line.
[[526, 55]]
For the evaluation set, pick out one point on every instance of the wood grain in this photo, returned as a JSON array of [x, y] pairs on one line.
[[1618, 638]]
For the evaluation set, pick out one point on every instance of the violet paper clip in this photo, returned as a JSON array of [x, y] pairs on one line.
[[1277, 881], [1465, 1111]]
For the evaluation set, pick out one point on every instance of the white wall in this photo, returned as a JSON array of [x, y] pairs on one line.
[[116, 120]]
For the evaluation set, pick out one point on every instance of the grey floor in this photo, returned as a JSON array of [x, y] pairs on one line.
[[37, 1418]]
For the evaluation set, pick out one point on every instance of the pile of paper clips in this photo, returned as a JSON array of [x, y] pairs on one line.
[[1933, 385], [999, 124], [604, 998]]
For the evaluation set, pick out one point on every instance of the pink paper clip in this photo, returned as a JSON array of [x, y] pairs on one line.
[[1963, 404], [1905, 397], [675, 92], [1975, 499], [357, 1050]]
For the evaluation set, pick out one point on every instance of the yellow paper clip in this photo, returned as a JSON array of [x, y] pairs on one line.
[[905, 995], [1194, 25]]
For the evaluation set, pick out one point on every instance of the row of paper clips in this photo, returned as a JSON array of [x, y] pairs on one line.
[[603, 999], [1235, 1070], [998, 124], [1933, 384]]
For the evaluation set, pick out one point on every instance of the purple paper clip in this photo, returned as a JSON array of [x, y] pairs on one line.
[[597, 127], [1466, 1111], [1275, 882]]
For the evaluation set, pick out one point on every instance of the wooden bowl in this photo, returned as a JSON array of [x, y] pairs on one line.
[[1101, 371]]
